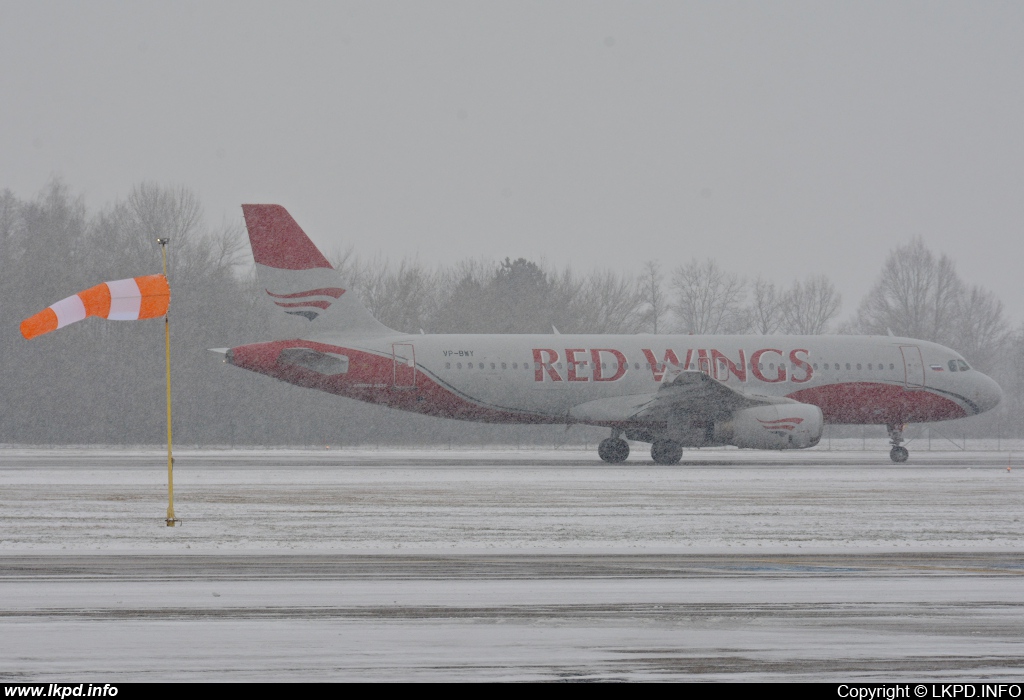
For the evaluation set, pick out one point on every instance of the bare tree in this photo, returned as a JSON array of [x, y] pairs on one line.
[[708, 300], [810, 306], [346, 262], [126, 234], [1012, 379], [766, 309], [653, 296], [919, 295], [403, 297], [10, 219], [602, 302], [981, 332], [10, 222], [916, 296]]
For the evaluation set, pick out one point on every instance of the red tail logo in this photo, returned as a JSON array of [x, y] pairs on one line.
[[304, 306]]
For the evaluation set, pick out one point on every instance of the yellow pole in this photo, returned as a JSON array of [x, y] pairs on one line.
[[171, 520]]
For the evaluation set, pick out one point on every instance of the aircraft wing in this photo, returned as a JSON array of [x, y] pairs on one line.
[[684, 395]]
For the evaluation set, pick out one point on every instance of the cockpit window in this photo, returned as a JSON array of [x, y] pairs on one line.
[[952, 366], [962, 365]]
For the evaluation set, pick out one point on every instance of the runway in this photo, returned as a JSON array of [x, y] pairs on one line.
[[304, 567], [288, 570]]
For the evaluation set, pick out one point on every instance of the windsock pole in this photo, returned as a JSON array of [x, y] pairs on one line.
[[171, 520]]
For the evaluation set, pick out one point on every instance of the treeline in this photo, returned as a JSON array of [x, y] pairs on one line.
[[519, 296], [102, 382]]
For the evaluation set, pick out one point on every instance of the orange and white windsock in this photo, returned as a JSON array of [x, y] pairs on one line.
[[121, 300]]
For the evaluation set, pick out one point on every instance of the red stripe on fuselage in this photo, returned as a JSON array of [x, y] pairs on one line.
[[370, 378], [876, 403]]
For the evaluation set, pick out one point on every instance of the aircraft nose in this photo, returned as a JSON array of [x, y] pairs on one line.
[[987, 393]]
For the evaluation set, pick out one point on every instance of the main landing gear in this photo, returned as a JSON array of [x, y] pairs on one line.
[[613, 450], [666, 452], [898, 453]]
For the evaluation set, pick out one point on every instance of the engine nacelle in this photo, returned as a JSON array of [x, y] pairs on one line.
[[775, 427]]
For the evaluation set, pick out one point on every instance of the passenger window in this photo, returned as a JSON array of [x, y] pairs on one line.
[[459, 366], [447, 365], [636, 365], [481, 365], [515, 365], [869, 365], [504, 366], [492, 365], [892, 366], [847, 365], [815, 365], [858, 366]]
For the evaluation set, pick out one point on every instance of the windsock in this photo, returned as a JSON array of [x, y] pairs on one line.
[[120, 300]]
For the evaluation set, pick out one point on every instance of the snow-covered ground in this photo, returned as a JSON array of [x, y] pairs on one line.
[[360, 501], [442, 564]]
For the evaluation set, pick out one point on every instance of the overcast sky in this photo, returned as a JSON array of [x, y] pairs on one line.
[[783, 139]]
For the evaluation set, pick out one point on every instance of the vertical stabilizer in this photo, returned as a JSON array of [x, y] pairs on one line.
[[297, 280]]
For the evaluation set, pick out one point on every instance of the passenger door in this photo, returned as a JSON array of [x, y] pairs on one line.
[[913, 366], [404, 356]]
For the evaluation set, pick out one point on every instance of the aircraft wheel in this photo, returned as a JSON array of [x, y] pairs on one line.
[[899, 454], [666, 452], [613, 450]]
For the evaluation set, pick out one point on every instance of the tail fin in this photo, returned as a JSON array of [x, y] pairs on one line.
[[297, 279]]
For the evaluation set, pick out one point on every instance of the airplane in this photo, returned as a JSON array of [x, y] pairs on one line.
[[768, 392]]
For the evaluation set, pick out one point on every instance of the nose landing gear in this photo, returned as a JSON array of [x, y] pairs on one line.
[[898, 453]]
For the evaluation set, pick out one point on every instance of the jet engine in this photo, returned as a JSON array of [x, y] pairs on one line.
[[774, 427]]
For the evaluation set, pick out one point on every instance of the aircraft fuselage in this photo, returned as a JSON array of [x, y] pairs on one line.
[[541, 378]]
